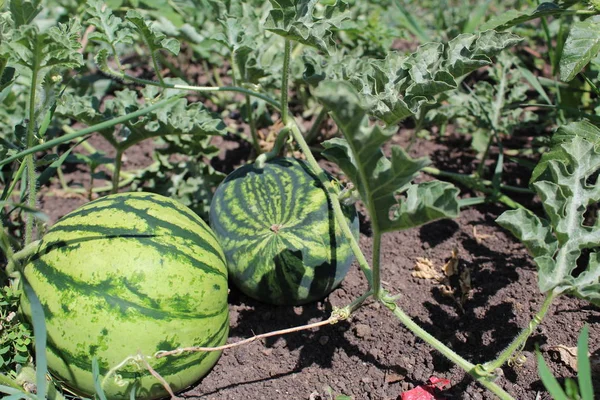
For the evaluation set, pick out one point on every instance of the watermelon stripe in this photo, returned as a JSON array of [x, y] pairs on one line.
[[175, 230], [278, 232], [109, 290], [111, 233], [166, 366]]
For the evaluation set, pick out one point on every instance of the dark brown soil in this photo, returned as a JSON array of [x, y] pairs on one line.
[[372, 356]]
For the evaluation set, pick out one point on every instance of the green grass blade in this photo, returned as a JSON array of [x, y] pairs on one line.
[[411, 24], [584, 371], [39, 331], [97, 381], [91, 129], [549, 380], [476, 17], [12, 391], [535, 83], [15, 397]]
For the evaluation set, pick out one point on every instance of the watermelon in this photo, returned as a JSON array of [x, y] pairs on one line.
[[277, 229], [126, 274]]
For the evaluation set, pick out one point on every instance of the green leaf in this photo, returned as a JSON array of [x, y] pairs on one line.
[[398, 86], [97, 380], [582, 45], [24, 11], [549, 380], [42, 52], [34, 212], [154, 39], [584, 370], [514, 17], [39, 330], [109, 28], [306, 21], [556, 243], [378, 179]]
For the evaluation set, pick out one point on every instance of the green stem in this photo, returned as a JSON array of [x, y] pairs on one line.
[[157, 68], [252, 124], [21, 255], [477, 184], [31, 174], [94, 128], [442, 348], [314, 129], [117, 171], [497, 113], [463, 177], [16, 179], [337, 208], [6, 381], [285, 81], [518, 343], [376, 265]]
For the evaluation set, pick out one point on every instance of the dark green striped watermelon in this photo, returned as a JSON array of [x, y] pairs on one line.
[[129, 273], [278, 232]]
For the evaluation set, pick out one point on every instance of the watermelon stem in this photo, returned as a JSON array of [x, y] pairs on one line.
[[117, 171], [155, 374], [335, 202], [20, 255], [284, 81], [337, 315], [442, 348]]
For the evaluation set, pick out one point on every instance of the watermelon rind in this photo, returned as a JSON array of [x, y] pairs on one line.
[[278, 232], [124, 275]]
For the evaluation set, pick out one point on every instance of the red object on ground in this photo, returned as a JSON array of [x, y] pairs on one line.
[[426, 392]]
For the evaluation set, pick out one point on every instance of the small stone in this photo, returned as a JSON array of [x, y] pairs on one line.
[[392, 377], [323, 340], [362, 330]]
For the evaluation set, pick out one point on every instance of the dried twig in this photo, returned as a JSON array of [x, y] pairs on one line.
[[331, 320], [157, 376]]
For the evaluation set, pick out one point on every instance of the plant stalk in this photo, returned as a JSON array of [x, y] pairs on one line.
[[31, 174], [314, 129], [376, 265], [91, 129], [252, 124], [117, 171], [498, 106], [335, 203], [479, 185], [446, 351], [520, 340], [285, 81]]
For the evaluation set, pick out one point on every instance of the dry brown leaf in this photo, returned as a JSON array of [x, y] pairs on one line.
[[424, 269], [451, 267], [480, 237], [568, 355]]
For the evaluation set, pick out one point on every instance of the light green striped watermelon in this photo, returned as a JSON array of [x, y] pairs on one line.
[[129, 273], [278, 232]]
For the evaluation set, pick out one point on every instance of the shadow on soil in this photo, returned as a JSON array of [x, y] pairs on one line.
[[314, 347]]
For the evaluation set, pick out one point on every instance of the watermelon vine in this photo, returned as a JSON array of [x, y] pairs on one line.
[[282, 229]]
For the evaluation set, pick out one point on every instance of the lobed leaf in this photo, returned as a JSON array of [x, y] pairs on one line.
[[565, 182], [397, 87], [380, 180], [582, 45], [155, 40], [514, 17], [110, 29], [24, 11], [40, 52], [307, 22]]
